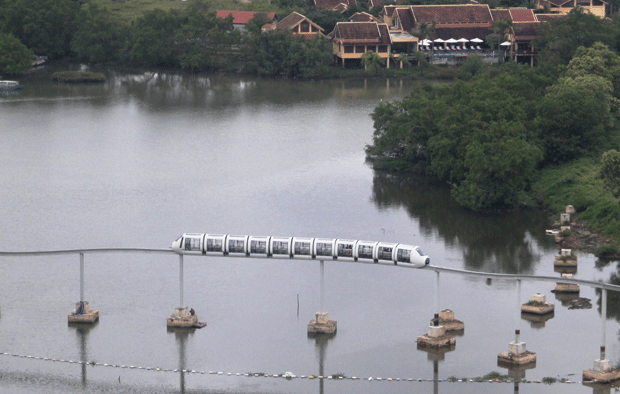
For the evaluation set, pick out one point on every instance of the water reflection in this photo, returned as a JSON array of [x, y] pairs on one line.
[[320, 344], [82, 331], [516, 372], [181, 335], [613, 298], [436, 355], [500, 243]]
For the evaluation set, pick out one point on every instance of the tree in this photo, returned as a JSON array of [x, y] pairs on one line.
[[403, 59], [279, 53], [580, 111], [15, 57], [610, 171], [372, 62], [478, 136], [575, 117], [45, 26], [153, 39], [558, 40], [99, 36], [424, 30]]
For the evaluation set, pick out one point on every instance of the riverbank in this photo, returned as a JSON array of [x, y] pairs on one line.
[[595, 228]]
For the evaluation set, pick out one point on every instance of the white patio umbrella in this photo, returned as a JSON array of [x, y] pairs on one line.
[[462, 40], [426, 42], [506, 43], [438, 40], [477, 40], [451, 41]]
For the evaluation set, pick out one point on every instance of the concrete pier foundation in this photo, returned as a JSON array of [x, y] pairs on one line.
[[322, 325], [436, 336], [183, 318], [602, 372], [563, 287], [517, 354], [565, 261], [452, 326], [83, 314], [538, 305]]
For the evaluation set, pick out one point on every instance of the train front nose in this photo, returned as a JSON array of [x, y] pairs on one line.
[[176, 245]]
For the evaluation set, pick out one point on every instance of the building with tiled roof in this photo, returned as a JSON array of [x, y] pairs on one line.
[[363, 17], [522, 15], [596, 7], [376, 3], [452, 14], [334, 5], [298, 24], [241, 18], [350, 40], [501, 14], [403, 19]]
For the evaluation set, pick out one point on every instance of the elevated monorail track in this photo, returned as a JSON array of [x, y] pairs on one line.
[[456, 271]]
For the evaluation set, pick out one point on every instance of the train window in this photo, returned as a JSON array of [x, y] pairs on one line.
[[214, 245], [192, 243], [323, 249], [404, 255], [279, 247], [345, 250], [236, 246], [364, 251], [385, 253], [258, 247], [302, 248], [417, 249]]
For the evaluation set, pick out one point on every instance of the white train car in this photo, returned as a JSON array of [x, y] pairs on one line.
[[300, 248]]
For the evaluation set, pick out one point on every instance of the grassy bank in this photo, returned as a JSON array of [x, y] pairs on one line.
[[579, 184]]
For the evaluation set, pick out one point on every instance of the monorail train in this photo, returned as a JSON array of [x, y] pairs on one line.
[[300, 248]]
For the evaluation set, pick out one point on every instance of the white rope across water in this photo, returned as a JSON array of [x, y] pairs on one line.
[[286, 375]]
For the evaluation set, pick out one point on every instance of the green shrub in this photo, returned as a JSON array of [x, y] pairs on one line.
[[604, 251]]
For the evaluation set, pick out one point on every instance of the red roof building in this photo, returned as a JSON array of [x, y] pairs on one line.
[[241, 18]]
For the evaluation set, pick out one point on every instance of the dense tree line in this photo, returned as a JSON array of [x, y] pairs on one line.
[[193, 39], [487, 137]]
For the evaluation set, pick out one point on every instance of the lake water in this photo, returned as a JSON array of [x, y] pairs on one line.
[[145, 157]]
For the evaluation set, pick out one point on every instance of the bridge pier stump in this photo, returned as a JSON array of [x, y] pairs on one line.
[[182, 316], [436, 336], [321, 323], [603, 371], [517, 354], [82, 312]]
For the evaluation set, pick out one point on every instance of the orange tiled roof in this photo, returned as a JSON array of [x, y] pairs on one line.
[[242, 17], [522, 15], [452, 14]]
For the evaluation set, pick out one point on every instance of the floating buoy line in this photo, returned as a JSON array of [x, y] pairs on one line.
[[286, 375]]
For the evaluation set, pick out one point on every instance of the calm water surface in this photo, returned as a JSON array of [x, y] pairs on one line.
[[146, 157]]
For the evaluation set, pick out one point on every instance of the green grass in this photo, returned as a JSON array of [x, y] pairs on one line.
[[578, 184]]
